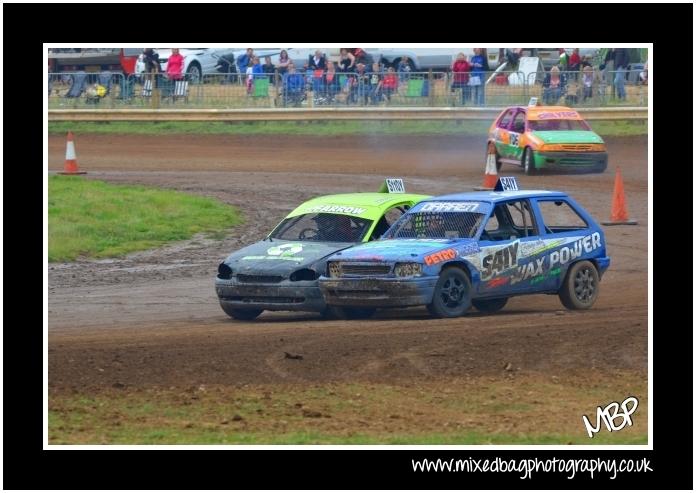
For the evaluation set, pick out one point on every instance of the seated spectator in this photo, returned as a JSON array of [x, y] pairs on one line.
[[253, 71], [554, 86], [293, 87], [330, 84], [317, 61]]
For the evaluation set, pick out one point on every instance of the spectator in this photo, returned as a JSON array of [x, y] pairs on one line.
[[175, 65], [226, 65], [644, 73], [554, 85], [607, 67], [252, 71], [574, 61], [404, 69], [293, 86], [477, 80], [586, 62], [376, 79], [562, 59], [317, 61], [361, 56], [347, 61], [245, 60], [283, 62], [360, 86], [460, 76], [151, 59], [588, 81], [269, 68], [331, 86], [390, 83], [621, 61]]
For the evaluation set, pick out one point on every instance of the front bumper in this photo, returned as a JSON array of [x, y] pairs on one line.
[[586, 161], [286, 295], [378, 292]]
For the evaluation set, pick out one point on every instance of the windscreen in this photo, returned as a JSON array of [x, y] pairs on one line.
[[322, 226], [435, 225], [551, 125]]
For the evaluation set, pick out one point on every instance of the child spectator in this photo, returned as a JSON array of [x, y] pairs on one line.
[[253, 71], [390, 83], [331, 87], [587, 82], [460, 76], [376, 79]]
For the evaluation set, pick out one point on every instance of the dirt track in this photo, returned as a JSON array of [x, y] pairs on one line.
[[152, 318]]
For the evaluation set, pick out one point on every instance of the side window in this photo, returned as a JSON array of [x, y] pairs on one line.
[[521, 218], [389, 218], [560, 217], [504, 122], [518, 123]]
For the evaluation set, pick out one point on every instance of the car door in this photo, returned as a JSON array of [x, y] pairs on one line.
[[566, 236], [516, 130], [508, 242], [502, 135]]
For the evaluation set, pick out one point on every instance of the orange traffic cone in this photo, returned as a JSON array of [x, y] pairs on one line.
[[70, 167], [491, 176], [619, 214]]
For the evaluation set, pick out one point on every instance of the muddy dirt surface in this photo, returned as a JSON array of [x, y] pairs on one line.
[[152, 318]]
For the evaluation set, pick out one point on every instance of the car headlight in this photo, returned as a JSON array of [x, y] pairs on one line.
[[408, 269], [334, 269], [224, 271]]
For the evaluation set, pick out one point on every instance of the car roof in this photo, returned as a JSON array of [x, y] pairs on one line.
[[373, 202], [496, 196]]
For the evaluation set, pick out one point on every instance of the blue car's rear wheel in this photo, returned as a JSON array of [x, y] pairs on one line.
[[452, 295], [580, 287]]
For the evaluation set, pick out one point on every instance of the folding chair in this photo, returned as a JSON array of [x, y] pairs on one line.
[[414, 89], [181, 89], [261, 85]]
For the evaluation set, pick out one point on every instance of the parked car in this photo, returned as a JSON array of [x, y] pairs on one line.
[[546, 137], [281, 271], [424, 59], [480, 248], [197, 61]]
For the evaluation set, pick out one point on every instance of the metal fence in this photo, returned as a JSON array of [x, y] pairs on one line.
[[308, 89]]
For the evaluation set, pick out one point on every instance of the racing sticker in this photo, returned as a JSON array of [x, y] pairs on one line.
[[557, 115], [340, 209], [449, 207], [499, 261], [441, 256], [285, 250]]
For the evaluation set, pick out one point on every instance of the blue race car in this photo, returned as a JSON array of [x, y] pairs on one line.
[[480, 248]]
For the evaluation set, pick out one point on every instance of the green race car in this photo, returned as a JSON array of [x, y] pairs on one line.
[[281, 272]]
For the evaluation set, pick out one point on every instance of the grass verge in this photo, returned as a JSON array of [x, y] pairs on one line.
[[323, 128], [95, 219], [531, 409]]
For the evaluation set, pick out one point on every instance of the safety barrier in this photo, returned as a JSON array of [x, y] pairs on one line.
[[308, 89], [319, 114]]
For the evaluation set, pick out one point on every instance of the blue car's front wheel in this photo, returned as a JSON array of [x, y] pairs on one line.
[[452, 295]]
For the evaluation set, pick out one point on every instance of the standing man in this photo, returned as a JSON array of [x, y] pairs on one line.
[[621, 61]]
